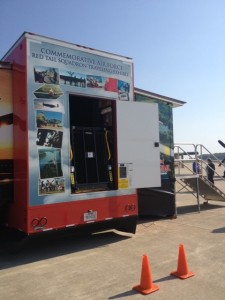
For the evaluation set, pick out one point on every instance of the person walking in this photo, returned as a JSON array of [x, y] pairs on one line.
[[210, 170]]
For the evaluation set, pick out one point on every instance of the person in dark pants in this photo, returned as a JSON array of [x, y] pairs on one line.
[[221, 164], [210, 169]]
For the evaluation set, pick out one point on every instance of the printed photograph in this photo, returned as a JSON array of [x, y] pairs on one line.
[[123, 86], [49, 138], [72, 78], [46, 75], [123, 90], [49, 104], [48, 91], [50, 163], [111, 85], [95, 81], [49, 119], [51, 186]]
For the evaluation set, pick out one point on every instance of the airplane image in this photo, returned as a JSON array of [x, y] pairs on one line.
[[50, 105]]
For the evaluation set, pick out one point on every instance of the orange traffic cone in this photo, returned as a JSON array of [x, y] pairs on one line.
[[146, 286], [182, 268]]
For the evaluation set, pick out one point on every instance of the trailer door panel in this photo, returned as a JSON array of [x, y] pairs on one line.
[[138, 145]]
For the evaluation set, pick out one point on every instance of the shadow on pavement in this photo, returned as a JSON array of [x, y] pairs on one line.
[[56, 244], [219, 230], [124, 294], [194, 208]]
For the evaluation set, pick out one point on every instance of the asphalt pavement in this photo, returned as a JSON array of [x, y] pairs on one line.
[[108, 265]]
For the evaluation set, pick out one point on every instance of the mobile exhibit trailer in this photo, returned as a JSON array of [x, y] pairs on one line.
[[74, 143]]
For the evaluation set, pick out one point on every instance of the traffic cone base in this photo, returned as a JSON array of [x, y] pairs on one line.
[[140, 289], [185, 276], [146, 285]]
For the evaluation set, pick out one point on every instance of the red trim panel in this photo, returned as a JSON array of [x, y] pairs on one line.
[[62, 215]]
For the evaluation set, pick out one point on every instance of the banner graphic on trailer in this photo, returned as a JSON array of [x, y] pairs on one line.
[[55, 71]]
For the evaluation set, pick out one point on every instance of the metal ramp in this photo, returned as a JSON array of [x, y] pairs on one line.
[[197, 184], [204, 188]]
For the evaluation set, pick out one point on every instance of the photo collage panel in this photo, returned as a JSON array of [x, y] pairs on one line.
[[49, 111]]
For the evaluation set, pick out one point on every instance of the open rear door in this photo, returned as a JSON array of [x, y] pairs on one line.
[[138, 145]]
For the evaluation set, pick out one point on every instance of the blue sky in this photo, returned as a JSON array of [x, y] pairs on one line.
[[178, 47]]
